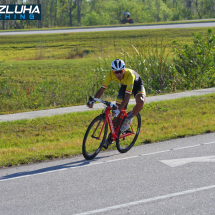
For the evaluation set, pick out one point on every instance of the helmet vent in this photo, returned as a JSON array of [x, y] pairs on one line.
[[117, 65]]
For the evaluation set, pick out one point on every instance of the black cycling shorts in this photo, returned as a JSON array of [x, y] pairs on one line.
[[137, 89]]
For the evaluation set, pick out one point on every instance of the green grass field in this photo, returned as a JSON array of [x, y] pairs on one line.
[[86, 45], [58, 70], [61, 136], [31, 85]]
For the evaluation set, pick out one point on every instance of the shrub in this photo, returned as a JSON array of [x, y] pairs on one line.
[[196, 62], [151, 62]]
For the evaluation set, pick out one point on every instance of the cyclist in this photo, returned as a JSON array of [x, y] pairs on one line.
[[131, 84], [126, 13]]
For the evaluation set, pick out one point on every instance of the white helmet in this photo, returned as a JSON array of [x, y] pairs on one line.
[[117, 65]]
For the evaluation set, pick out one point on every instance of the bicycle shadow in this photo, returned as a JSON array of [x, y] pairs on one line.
[[71, 165]]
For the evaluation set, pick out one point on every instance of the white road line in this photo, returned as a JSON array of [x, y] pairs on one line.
[[103, 162], [148, 200]]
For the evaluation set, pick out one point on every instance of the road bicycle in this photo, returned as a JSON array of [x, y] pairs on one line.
[[96, 135], [127, 20]]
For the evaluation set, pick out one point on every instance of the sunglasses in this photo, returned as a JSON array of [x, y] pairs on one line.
[[118, 72]]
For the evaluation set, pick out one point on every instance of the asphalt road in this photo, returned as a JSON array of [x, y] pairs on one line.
[[166, 178], [124, 28]]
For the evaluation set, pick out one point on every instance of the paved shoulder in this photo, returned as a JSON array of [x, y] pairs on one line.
[[51, 112]]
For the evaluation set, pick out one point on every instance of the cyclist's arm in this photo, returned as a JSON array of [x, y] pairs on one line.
[[99, 93], [102, 89], [104, 85]]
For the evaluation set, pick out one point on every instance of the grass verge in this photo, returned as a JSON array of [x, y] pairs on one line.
[[36, 140]]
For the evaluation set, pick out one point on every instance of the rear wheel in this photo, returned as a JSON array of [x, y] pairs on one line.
[[125, 144], [131, 21], [91, 144]]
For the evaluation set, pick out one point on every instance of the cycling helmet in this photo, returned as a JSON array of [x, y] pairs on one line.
[[117, 65]]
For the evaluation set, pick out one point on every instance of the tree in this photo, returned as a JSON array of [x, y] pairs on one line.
[[70, 11], [79, 4]]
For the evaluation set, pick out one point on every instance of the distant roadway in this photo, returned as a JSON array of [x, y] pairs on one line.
[[117, 28]]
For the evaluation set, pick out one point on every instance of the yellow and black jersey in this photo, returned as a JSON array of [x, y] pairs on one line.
[[128, 79]]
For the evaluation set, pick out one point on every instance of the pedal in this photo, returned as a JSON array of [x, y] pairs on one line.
[[107, 142], [106, 147], [128, 131]]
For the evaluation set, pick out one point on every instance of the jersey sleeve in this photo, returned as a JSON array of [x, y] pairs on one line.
[[106, 81], [130, 84]]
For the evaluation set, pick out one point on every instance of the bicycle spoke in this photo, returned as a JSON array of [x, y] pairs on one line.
[[127, 138], [94, 137]]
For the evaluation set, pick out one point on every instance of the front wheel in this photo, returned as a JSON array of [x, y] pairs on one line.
[[124, 143], [92, 144], [123, 21]]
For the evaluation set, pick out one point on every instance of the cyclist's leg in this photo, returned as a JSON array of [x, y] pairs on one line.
[[140, 95], [120, 97], [140, 100]]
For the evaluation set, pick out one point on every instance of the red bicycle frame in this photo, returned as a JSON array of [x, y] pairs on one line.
[[114, 132]]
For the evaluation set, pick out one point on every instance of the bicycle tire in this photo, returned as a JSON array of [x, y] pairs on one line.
[[131, 21], [92, 146], [123, 21], [122, 146]]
